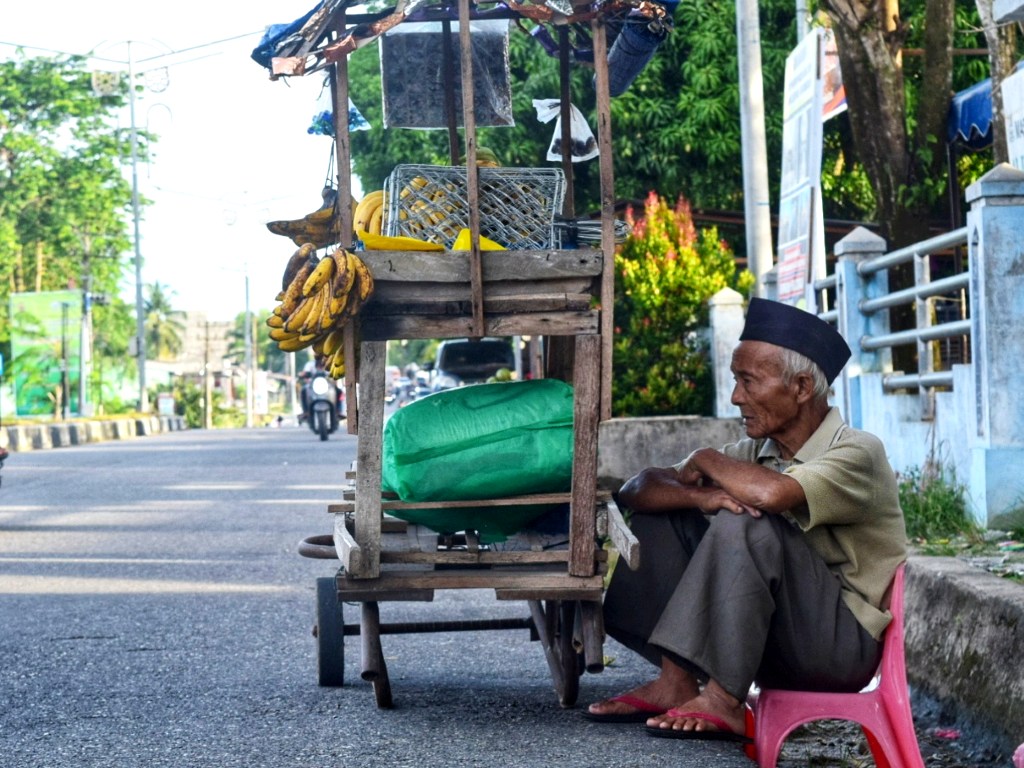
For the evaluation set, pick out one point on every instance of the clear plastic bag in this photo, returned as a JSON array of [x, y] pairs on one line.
[[584, 145], [412, 75]]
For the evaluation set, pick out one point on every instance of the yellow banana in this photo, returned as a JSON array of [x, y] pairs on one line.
[[378, 242], [322, 274], [293, 293], [293, 345], [364, 279], [311, 318], [376, 225], [337, 362], [280, 334], [295, 263], [333, 341], [325, 318], [296, 321], [275, 321], [344, 273], [366, 207]]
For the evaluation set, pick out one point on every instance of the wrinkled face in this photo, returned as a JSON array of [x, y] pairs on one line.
[[768, 406]]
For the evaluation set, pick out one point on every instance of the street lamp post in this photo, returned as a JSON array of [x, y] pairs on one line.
[[140, 313]]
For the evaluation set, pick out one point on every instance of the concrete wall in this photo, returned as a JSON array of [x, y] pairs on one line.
[[625, 446], [30, 437]]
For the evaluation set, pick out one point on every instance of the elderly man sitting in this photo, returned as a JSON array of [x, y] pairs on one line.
[[766, 561]]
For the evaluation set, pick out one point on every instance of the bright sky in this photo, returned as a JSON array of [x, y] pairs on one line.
[[233, 151]]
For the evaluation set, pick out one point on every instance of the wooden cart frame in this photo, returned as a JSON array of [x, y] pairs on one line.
[[566, 297]]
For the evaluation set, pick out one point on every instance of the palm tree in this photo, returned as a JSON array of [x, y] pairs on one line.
[[164, 324]]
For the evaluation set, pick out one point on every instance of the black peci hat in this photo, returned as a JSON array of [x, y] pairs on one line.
[[786, 326]]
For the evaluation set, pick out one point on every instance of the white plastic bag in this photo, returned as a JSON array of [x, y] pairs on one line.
[[584, 145]]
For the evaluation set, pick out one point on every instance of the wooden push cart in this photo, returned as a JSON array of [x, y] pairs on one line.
[[561, 294]]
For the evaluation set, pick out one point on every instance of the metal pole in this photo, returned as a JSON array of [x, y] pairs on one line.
[[85, 338], [140, 314], [756, 203], [65, 389], [250, 380]]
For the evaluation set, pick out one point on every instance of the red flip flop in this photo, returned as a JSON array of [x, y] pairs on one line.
[[644, 710], [723, 732]]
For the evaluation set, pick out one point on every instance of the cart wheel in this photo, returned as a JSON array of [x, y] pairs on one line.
[[382, 688], [330, 635], [569, 659]]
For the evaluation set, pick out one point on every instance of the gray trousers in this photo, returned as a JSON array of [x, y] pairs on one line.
[[738, 599]]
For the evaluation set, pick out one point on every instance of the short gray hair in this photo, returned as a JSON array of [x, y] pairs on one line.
[[793, 363]]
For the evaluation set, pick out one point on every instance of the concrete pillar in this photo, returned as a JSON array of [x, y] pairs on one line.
[[851, 289], [726, 310], [995, 241]]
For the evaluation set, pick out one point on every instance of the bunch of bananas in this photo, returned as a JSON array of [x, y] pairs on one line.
[[318, 297], [319, 228], [369, 214]]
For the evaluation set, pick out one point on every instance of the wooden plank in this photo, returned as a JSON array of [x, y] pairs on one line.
[[345, 545], [583, 509], [496, 266], [625, 543], [512, 324], [364, 590], [389, 297], [473, 558], [472, 579], [548, 594], [368, 459], [532, 498], [607, 176]]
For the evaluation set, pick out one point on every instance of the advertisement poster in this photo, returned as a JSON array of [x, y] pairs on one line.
[[801, 168], [45, 333]]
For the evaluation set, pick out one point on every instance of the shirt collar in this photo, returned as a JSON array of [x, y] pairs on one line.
[[816, 444]]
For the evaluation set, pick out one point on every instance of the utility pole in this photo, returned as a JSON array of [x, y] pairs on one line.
[[756, 202], [65, 389], [140, 311]]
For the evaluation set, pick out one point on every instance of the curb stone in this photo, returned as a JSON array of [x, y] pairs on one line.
[[35, 437]]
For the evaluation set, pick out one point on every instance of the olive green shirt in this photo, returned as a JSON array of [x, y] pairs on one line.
[[852, 517]]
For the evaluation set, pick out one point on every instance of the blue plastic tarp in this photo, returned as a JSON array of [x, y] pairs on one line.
[[275, 33], [970, 115]]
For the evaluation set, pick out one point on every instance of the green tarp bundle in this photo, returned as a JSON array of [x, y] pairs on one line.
[[484, 441]]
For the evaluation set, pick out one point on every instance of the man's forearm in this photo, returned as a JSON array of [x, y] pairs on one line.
[[753, 485]]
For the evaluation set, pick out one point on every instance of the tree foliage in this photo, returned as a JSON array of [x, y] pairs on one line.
[[665, 273], [63, 198]]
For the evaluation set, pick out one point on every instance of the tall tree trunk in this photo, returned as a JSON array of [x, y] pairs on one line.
[[870, 36], [39, 266]]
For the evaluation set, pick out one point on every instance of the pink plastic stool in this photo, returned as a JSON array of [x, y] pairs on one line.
[[882, 709]]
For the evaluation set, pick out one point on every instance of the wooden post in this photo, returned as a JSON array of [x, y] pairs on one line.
[[583, 507]]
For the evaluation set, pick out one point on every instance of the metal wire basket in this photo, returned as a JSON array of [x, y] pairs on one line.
[[517, 205]]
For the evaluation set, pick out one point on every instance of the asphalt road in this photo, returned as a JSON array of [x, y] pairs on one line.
[[154, 612]]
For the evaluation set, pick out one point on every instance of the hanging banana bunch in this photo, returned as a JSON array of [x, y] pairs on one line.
[[318, 297], [319, 228]]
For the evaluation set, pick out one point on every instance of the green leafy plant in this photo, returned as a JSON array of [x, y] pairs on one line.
[[935, 509], [665, 273]]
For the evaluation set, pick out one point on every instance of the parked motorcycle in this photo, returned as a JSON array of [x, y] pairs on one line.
[[322, 404]]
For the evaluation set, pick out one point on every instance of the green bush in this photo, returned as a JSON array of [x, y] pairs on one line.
[[665, 273]]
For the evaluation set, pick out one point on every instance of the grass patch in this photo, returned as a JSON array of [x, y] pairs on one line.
[[935, 510]]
